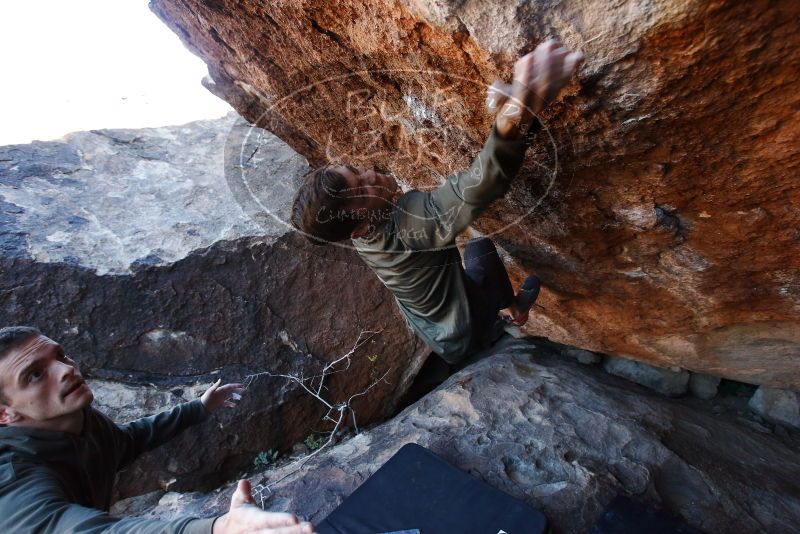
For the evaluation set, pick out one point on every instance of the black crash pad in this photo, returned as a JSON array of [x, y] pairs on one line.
[[416, 492]]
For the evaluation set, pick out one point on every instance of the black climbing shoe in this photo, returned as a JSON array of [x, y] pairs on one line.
[[525, 299]]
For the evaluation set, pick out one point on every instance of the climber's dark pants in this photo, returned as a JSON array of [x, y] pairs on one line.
[[488, 288], [488, 291]]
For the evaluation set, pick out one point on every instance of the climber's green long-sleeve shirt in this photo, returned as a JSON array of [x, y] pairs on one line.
[[414, 253], [57, 482]]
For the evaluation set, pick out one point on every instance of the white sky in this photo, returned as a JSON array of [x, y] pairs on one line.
[[70, 65]]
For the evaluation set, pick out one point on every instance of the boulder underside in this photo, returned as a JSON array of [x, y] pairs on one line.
[[659, 204]]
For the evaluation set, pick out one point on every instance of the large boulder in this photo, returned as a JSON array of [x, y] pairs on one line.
[[565, 438], [130, 249], [777, 405], [657, 206], [665, 381]]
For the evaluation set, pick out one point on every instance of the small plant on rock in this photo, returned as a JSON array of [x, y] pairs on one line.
[[265, 458], [315, 441]]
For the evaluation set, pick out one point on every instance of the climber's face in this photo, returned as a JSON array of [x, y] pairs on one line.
[[41, 386], [368, 190]]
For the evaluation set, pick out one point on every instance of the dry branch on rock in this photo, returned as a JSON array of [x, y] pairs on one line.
[[338, 411]]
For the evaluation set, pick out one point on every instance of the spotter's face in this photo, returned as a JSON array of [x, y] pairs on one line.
[[40, 385]]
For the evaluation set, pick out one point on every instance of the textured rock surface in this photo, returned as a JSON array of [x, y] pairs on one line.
[[113, 199], [665, 381], [585, 357], [670, 230], [129, 248], [703, 386], [777, 405], [566, 438]]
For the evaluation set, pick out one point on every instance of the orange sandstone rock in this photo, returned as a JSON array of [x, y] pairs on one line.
[[660, 206]]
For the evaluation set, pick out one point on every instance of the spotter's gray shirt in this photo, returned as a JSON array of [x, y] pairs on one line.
[[414, 254], [59, 483]]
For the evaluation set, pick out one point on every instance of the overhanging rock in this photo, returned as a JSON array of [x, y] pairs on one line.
[[659, 207]]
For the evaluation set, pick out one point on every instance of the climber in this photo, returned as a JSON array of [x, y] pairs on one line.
[[409, 240], [59, 456]]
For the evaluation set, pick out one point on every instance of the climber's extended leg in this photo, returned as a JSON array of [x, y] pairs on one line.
[[489, 290]]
